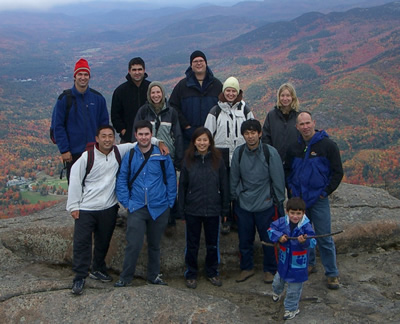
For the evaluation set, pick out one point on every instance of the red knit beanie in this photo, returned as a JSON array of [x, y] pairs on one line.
[[81, 65]]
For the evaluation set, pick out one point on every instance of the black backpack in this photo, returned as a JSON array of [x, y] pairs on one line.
[[70, 101]]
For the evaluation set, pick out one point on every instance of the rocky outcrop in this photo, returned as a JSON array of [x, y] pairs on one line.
[[36, 254]]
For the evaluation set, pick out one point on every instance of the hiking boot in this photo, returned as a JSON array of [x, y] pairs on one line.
[[225, 228], [77, 287], [191, 283], [215, 281], [244, 275], [268, 277], [158, 281], [276, 297], [312, 269], [333, 282], [102, 276], [290, 314], [120, 283]]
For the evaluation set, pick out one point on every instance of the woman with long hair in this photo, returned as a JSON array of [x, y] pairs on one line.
[[203, 198]]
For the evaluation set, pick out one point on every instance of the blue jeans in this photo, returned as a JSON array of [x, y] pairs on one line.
[[293, 292], [247, 224], [138, 224], [320, 216]]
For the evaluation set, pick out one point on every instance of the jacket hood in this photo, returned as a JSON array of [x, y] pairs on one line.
[[159, 106], [318, 136]]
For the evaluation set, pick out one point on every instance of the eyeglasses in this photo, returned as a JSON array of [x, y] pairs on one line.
[[198, 61]]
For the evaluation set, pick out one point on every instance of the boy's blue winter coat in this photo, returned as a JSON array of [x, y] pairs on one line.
[[293, 257]]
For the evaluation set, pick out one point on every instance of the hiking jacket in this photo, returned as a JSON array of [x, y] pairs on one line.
[[252, 179], [193, 101], [293, 257], [315, 169], [203, 191], [226, 126], [126, 101], [88, 112], [148, 189], [98, 192], [279, 132], [165, 127]]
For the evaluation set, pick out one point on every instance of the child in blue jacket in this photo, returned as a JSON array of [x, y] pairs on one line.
[[293, 258]]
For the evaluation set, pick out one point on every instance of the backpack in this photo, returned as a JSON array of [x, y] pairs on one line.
[[131, 181], [90, 161], [218, 110], [70, 101]]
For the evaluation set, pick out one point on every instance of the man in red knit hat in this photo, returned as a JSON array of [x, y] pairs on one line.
[[78, 113]]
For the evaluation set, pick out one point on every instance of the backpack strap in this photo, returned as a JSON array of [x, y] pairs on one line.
[[89, 164], [131, 181]]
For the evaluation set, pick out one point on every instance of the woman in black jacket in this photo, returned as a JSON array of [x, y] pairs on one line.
[[203, 198]]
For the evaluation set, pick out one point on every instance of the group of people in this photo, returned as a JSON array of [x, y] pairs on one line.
[[232, 170]]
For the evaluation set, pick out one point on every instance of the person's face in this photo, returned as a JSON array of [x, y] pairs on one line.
[[199, 65], [202, 144], [285, 98], [143, 136], [82, 80], [136, 72], [156, 94], [230, 94], [105, 139], [295, 216], [252, 138], [306, 126]]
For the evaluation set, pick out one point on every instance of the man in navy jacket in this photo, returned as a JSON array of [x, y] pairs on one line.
[[313, 171]]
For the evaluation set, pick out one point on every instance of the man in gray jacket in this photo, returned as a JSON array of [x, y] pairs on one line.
[[257, 184]]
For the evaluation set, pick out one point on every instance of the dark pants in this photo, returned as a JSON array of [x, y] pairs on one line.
[[247, 224], [100, 223], [193, 233], [139, 223], [68, 165]]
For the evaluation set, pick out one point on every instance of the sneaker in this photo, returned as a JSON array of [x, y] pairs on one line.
[[312, 269], [333, 282], [290, 314], [158, 281], [276, 297], [225, 228], [120, 283], [268, 277], [191, 283], [102, 276], [215, 281], [244, 275], [77, 287]]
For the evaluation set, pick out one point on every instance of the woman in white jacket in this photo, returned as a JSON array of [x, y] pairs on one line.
[[224, 121]]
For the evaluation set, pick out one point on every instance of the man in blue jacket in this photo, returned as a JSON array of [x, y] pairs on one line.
[[146, 186], [195, 95], [75, 126], [313, 171]]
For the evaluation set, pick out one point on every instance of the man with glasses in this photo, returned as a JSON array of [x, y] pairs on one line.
[[195, 95]]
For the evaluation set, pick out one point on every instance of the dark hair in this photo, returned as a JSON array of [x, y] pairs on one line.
[[105, 127], [143, 124], [296, 203], [136, 60], [250, 124], [215, 153]]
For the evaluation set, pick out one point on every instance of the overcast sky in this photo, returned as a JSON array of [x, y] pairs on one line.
[[46, 4]]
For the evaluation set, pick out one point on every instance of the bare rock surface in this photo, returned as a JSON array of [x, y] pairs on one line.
[[36, 275]]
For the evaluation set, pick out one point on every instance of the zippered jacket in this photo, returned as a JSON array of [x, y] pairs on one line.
[[87, 114], [148, 189], [293, 257], [315, 169], [226, 126], [194, 101], [203, 190], [126, 101]]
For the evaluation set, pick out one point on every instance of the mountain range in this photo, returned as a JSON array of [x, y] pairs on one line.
[[344, 64]]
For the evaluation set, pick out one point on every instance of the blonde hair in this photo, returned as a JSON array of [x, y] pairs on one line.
[[295, 101]]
